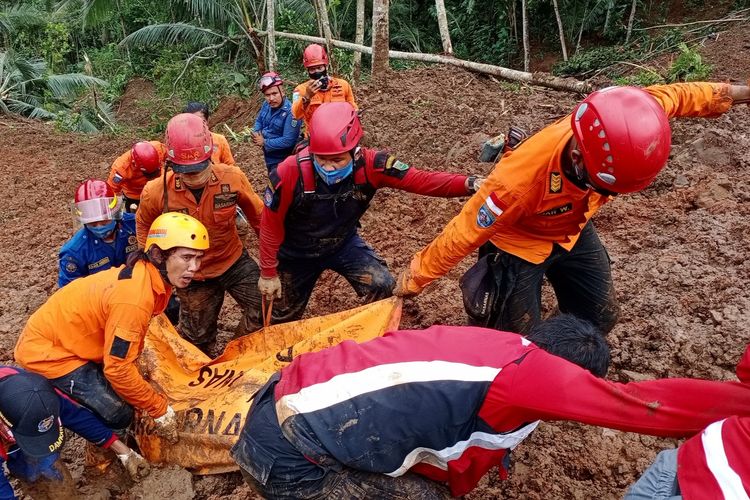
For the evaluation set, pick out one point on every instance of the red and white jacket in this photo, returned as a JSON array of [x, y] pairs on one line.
[[716, 463]]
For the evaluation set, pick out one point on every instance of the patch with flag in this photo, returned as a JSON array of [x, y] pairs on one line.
[[489, 211], [117, 178]]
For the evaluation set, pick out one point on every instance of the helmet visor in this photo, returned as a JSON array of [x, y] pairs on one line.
[[98, 209], [268, 81]]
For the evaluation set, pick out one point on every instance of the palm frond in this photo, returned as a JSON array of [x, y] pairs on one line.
[[19, 16], [68, 85], [170, 34], [20, 107], [214, 12]]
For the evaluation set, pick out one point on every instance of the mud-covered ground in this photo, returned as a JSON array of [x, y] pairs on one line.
[[679, 251]]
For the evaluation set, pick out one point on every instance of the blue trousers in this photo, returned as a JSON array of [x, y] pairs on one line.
[[355, 260]]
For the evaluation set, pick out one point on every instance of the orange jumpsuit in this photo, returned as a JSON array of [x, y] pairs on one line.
[[126, 178], [222, 153], [100, 318], [339, 90], [217, 210], [527, 205]]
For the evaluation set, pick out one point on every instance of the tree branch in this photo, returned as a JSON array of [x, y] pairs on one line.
[[190, 60]]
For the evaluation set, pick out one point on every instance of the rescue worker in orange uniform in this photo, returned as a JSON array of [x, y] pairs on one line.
[[87, 337], [320, 88], [210, 192], [221, 153], [134, 168], [531, 217]]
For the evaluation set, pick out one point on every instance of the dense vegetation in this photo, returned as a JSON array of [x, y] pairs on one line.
[[66, 60]]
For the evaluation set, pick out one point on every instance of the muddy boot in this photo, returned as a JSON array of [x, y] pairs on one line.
[[61, 487], [97, 457]]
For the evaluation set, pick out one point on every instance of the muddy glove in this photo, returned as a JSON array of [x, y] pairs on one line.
[[166, 426], [270, 287], [136, 465], [473, 183], [405, 286]]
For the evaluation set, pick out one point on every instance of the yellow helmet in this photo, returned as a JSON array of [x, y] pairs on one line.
[[173, 229]]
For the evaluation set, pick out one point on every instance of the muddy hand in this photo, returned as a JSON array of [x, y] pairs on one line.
[[404, 287], [270, 288], [166, 426], [135, 464]]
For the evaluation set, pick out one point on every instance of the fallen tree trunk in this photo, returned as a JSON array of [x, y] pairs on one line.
[[541, 79]]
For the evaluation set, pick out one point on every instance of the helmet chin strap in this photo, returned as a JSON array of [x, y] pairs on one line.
[[162, 268]]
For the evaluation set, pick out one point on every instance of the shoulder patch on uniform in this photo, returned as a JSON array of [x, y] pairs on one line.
[[272, 198], [117, 178], [555, 182], [489, 211], [390, 165], [132, 240], [295, 96], [120, 348], [294, 122], [71, 266]]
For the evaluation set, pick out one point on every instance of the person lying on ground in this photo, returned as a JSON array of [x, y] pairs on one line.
[[320, 88], [210, 192], [712, 464], [276, 130], [532, 218], [87, 337], [134, 168], [32, 417], [448, 403], [222, 153], [313, 206]]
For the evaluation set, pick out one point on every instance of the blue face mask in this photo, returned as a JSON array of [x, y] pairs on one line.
[[102, 232], [334, 176]]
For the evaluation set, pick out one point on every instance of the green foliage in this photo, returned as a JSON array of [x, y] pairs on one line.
[[688, 66], [55, 45], [641, 79], [205, 81], [583, 64]]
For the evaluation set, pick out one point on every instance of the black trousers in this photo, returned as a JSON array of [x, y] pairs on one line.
[[581, 278]]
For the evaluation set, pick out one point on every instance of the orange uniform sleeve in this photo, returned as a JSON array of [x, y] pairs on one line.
[[119, 171], [692, 99], [224, 152], [123, 342], [250, 203], [149, 209], [298, 107], [481, 217]]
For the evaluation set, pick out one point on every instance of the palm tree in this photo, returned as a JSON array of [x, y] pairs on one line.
[[209, 26], [27, 88]]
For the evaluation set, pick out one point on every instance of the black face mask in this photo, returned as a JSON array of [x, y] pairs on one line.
[[318, 74]]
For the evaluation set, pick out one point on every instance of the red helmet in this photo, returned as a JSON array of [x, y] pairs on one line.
[[145, 157], [314, 55], [189, 143], [334, 128], [269, 80], [95, 201], [624, 136]]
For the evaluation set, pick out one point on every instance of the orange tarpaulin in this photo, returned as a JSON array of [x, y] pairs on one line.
[[211, 397]]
